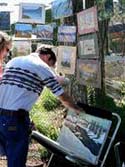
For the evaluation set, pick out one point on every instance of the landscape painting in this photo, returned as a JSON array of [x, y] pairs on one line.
[[67, 34], [5, 21], [62, 8], [32, 13], [88, 72], [21, 48], [84, 136], [44, 32], [23, 30], [66, 59], [87, 21], [88, 46]]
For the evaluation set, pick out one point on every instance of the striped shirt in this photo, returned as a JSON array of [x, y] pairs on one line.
[[23, 81]]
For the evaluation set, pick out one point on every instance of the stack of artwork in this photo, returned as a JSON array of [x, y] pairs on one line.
[[88, 66]]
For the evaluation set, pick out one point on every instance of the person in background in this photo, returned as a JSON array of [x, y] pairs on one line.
[[22, 83], [5, 46]]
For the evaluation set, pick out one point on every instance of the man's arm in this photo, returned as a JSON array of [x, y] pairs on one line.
[[67, 101]]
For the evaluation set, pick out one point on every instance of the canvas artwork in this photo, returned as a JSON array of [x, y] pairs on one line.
[[32, 13], [44, 32], [88, 46], [23, 30], [5, 21], [66, 59], [84, 136], [21, 48], [67, 34], [115, 68], [62, 8], [88, 73], [87, 21]]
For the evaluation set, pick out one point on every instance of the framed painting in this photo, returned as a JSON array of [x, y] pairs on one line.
[[66, 59], [62, 8], [32, 13], [84, 135], [44, 32], [67, 34], [89, 73], [87, 21], [23, 30], [88, 46], [21, 48], [115, 68], [4, 21]]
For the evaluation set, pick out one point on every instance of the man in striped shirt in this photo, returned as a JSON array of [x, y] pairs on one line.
[[22, 83]]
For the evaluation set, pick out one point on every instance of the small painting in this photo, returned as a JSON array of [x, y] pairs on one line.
[[21, 48], [23, 30], [66, 59], [62, 8], [32, 13], [87, 21], [88, 46], [67, 34], [88, 73], [5, 21]]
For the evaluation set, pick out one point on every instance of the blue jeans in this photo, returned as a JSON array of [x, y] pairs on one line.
[[14, 136]]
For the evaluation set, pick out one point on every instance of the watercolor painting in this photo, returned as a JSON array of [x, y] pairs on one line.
[[23, 30], [21, 48], [66, 59], [32, 13], [62, 8], [87, 21], [88, 72], [44, 32], [88, 46], [5, 21], [67, 34]]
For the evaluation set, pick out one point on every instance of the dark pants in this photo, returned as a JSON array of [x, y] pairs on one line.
[[14, 136]]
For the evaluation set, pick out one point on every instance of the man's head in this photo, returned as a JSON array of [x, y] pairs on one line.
[[5, 44], [47, 55]]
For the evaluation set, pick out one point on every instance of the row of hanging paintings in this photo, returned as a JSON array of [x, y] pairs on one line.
[[45, 32], [88, 71]]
